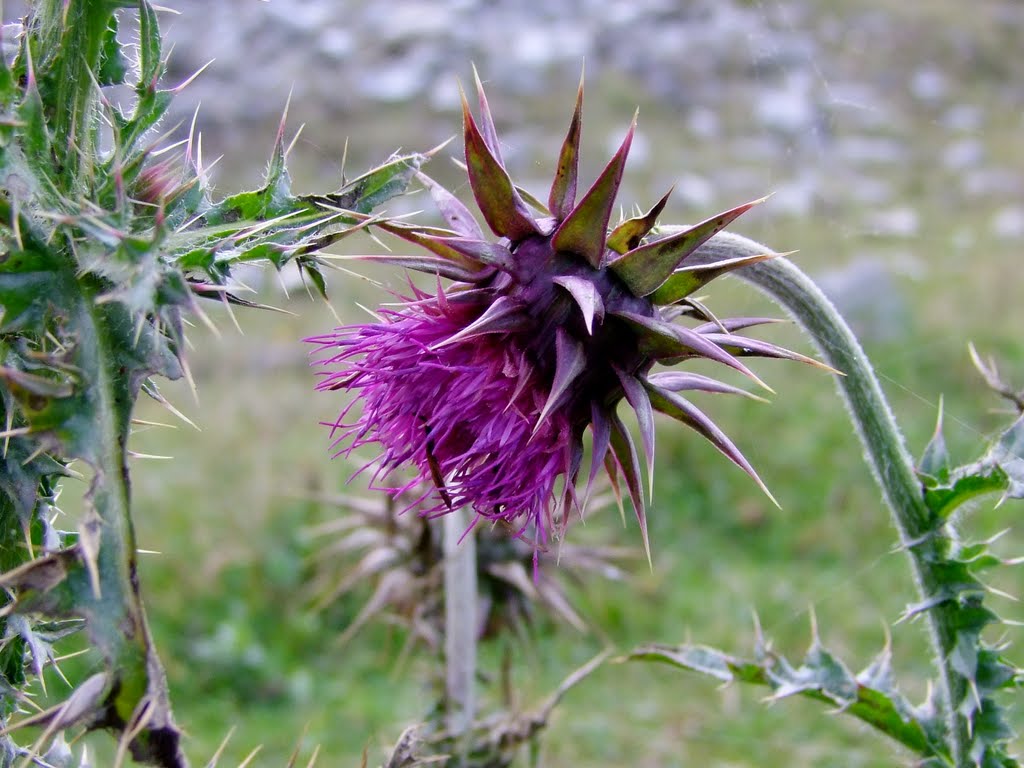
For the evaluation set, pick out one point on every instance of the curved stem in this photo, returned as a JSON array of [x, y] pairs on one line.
[[885, 451]]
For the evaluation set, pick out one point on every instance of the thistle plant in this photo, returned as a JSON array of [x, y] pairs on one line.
[[110, 239], [486, 387], [372, 542]]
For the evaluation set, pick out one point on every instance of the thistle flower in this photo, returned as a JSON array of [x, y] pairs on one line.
[[486, 387]]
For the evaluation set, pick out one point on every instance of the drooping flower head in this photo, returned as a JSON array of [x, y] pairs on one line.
[[487, 386]]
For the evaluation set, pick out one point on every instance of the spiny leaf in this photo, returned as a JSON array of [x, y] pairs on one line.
[[501, 205], [150, 64], [1008, 454], [454, 212], [664, 341], [36, 138], [627, 235], [583, 231], [944, 500], [687, 280], [22, 469], [685, 412], [113, 68], [637, 397], [821, 677], [645, 268], [563, 189], [586, 296], [570, 360], [628, 463], [376, 186]]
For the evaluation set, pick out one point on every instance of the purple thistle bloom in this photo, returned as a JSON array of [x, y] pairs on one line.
[[487, 388], [462, 413]]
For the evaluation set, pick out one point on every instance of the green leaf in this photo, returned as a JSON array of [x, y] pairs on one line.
[[151, 67], [944, 500], [1008, 454], [688, 280], [648, 266], [822, 678], [113, 68], [376, 186]]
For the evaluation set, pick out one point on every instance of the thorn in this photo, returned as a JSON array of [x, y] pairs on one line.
[[15, 432], [220, 749], [295, 139], [279, 139], [231, 313], [189, 80], [250, 757], [137, 455], [438, 148], [344, 158]]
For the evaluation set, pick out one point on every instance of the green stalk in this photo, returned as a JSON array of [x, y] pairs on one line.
[[920, 535], [73, 32], [122, 632]]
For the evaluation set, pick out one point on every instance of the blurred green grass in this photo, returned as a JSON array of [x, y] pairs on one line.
[[243, 650]]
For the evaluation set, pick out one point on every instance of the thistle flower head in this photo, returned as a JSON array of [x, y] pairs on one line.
[[486, 387]]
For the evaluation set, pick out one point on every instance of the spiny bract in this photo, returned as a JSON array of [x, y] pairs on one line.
[[487, 386]]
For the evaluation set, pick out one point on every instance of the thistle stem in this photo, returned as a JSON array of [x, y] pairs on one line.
[[920, 535], [460, 635]]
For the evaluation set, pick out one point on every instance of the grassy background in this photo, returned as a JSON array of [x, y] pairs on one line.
[[225, 596]]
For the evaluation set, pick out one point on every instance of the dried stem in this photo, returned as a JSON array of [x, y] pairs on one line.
[[460, 636]]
